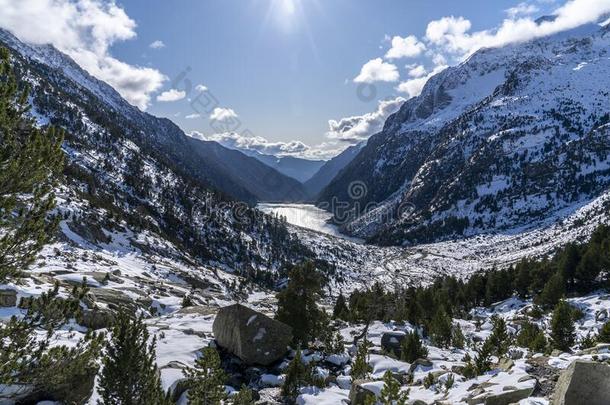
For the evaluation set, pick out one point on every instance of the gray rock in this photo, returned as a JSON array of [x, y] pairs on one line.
[[391, 342], [505, 364], [425, 363], [8, 298], [97, 318], [253, 337], [358, 395], [509, 397], [583, 382]]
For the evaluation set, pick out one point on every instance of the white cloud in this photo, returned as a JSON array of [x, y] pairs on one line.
[[414, 86], [234, 140], [357, 128], [157, 44], [201, 88], [376, 70], [522, 9], [192, 116], [85, 30], [222, 114], [452, 35], [407, 47], [416, 71], [171, 95]]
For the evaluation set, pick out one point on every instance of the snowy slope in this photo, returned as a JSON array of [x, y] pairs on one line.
[[510, 137]]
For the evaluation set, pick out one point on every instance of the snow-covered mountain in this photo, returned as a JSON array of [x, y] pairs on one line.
[[512, 137], [129, 173]]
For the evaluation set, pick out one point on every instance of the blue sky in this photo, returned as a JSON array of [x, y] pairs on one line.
[[283, 75], [285, 69]]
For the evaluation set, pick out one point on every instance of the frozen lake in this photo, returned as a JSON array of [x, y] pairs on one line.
[[306, 216]]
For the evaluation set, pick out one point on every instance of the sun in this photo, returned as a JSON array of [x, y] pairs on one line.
[[286, 14]]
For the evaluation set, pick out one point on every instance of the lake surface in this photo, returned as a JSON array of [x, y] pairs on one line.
[[304, 215]]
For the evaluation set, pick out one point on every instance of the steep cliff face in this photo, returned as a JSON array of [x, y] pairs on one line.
[[511, 137]]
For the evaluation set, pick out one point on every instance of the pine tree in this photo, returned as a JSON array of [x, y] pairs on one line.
[[604, 333], [412, 348], [391, 393], [499, 338], [361, 367], [457, 338], [129, 374], [568, 263], [206, 381], [298, 304], [341, 311], [562, 327], [26, 358], [532, 337], [553, 291], [296, 377], [482, 361], [440, 329], [30, 164], [243, 397]]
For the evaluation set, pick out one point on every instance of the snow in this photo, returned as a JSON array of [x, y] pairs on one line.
[[316, 396]]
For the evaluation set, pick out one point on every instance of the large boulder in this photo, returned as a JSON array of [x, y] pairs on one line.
[[250, 335], [391, 342], [8, 298], [583, 382], [359, 394], [511, 396]]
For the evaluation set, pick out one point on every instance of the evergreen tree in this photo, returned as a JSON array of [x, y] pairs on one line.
[[412, 348], [499, 338], [457, 338], [589, 268], [532, 337], [568, 263], [297, 374], [243, 397], [391, 393], [553, 291], [129, 374], [30, 164], [440, 329], [562, 327], [298, 304], [482, 361], [361, 367], [206, 381], [604, 333], [26, 358], [341, 311]]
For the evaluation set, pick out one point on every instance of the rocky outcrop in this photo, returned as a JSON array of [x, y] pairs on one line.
[[391, 342], [250, 335], [359, 394], [510, 396], [8, 298], [583, 382]]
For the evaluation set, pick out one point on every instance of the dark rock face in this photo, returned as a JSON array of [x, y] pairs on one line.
[[250, 335], [392, 341], [8, 298], [583, 382]]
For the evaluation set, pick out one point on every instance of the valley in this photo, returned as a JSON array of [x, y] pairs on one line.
[[465, 258]]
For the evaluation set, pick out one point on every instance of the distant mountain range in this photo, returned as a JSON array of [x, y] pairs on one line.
[[297, 168]]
